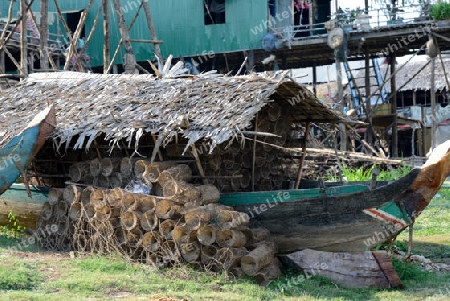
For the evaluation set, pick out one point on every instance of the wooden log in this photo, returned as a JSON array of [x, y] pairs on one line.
[[97, 197], [102, 212], [180, 172], [60, 209], [134, 237], [75, 211], [120, 236], [197, 217], [236, 271], [62, 225], [206, 234], [95, 167], [190, 251], [208, 194], [351, 270], [230, 238], [154, 169], [166, 209], [181, 191], [114, 197], [85, 196], [181, 235], [116, 180], [208, 254], [170, 251], [149, 221], [129, 201], [88, 212], [103, 181], [228, 219], [55, 195], [166, 229], [151, 241], [130, 220], [230, 257], [126, 166], [110, 165], [72, 194], [269, 273], [105, 229], [80, 172], [139, 169], [145, 202], [259, 258]]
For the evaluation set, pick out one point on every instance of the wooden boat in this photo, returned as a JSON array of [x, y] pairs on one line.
[[18, 152], [26, 208], [342, 218]]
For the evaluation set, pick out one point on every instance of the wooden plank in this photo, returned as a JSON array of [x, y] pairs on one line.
[[388, 269], [351, 270]]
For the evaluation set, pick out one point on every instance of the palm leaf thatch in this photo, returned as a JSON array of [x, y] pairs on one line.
[[212, 107]]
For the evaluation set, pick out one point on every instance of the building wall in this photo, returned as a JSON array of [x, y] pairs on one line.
[[179, 23]]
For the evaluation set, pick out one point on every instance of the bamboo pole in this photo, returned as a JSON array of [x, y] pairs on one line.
[[254, 153], [90, 35], [76, 35], [302, 159], [394, 141], [130, 60], [107, 36]]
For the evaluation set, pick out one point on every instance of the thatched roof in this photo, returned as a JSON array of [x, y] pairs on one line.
[[213, 107], [403, 78]]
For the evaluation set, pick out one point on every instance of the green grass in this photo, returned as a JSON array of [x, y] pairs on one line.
[[364, 173], [55, 276]]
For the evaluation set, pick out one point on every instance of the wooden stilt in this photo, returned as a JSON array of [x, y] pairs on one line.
[[394, 106], [199, 164], [433, 103], [302, 159], [23, 38], [130, 60], [43, 32], [254, 153], [152, 32], [410, 240], [107, 35]]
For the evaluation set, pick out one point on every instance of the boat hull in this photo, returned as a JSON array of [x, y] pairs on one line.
[[26, 209], [21, 149], [332, 222]]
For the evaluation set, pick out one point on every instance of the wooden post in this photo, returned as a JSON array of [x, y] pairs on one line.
[[23, 38], [43, 30], [107, 35], [314, 79], [369, 137], [340, 96], [254, 153], [424, 128], [152, 32], [394, 107], [433, 104], [130, 60], [302, 159]]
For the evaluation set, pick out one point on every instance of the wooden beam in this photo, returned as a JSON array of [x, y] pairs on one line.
[[394, 142], [302, 159]]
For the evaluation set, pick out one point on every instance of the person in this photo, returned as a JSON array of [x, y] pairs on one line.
[[301, 16], [217, 10]]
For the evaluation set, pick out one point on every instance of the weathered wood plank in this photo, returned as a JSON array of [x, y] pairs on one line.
[[351, 270]]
